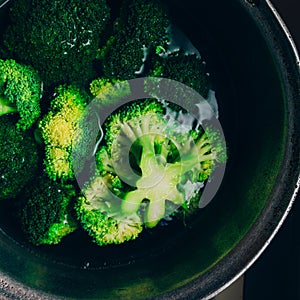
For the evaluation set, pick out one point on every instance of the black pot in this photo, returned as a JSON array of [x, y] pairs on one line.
[[255, 73]]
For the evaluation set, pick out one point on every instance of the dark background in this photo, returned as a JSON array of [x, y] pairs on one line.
[[276, 274], [290, 13]]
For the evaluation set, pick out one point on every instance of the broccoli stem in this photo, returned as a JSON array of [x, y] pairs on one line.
[[132, 202], [156, 182], [156, 211], [200, 152], [5, 108], [148, 159]]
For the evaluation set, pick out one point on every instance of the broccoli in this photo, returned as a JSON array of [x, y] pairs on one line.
[[59, 131], [148, 160], [47, 215], [20, 91], [148, 20], [19, 158], [58, 38], [141, 28], [187, 69], [109, 92], [99, 212], [151, 150], [123, 57]]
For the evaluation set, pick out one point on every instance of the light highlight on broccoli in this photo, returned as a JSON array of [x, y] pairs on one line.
[[59, 131]]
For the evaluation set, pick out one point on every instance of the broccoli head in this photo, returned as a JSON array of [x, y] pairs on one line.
[[47, 215], [19, 158], [141, 28], [99, 212], [20, 92], [123, 57], [157, 156], [147, 20], [59, 131], [187, 69], [58, 38]]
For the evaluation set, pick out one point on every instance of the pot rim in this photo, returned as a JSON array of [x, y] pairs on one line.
[[3, 3]]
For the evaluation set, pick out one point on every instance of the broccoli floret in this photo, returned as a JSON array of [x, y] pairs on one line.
[[58, 38], [59, 130], [141, 28], [108, 92], [47, 215], [147, 20], [19, 158], [20, 91], [187, 69], [123, 57], [154, 152], [99, 212]]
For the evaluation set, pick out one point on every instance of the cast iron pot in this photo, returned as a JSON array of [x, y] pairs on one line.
[[255, 72]]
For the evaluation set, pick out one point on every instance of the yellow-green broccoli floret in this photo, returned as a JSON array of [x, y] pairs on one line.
[[109, 91], [99, 213], [59, 130]]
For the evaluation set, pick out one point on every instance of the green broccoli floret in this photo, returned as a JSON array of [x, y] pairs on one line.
[[19, 158], [187, 69], [99, 212], [59, 129], [108, 92], [47, 215], [123, 57], [147, 20], [58, 38], [20, 91], [141, 28], [158, 156]]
